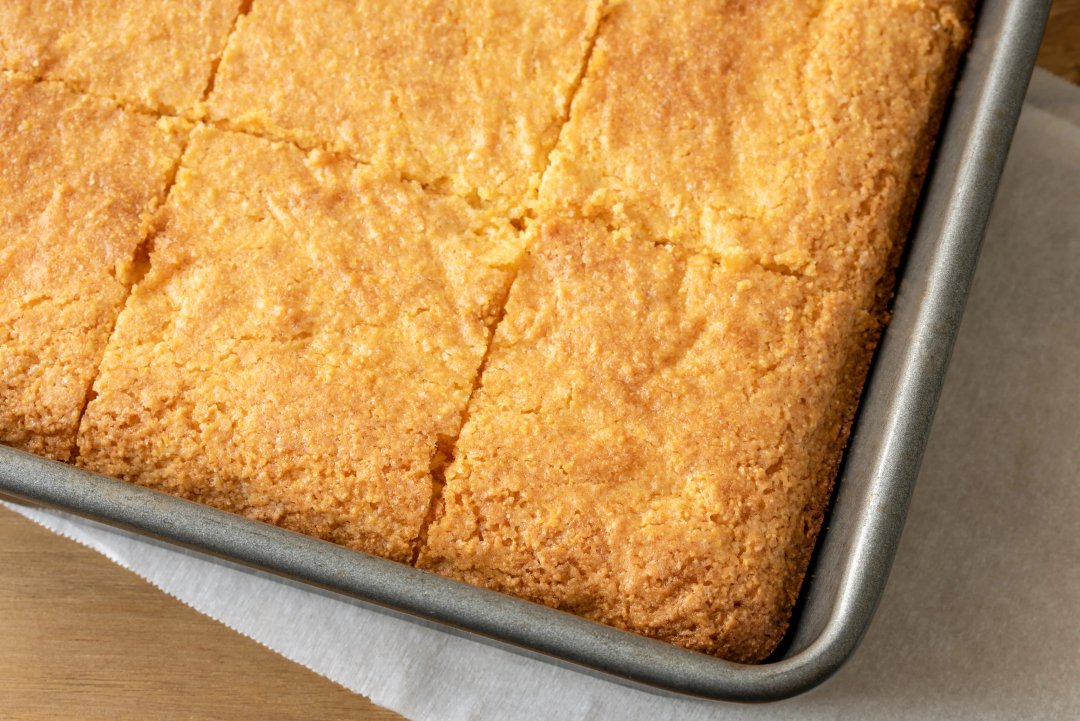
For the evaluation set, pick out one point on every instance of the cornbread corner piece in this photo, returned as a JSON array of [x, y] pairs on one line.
[[306, 338], [653, 441], [159, 54], [465, 96], [79, 179], [796, 133]]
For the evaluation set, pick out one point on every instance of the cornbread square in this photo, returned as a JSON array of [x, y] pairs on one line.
[[465, 96], [303, 344], [79, 179], [158, 55], [794, 133], [654, 440]]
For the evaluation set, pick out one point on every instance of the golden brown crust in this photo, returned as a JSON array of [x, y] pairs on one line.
[[465, 96], [157, 55], [307, 333], [650, 429], [78, 181], [783, 131]]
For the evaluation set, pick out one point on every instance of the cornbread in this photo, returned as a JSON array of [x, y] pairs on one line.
[[571, 300], [307, 334], [793, 133], [157, 55], [465, 96], [668, 473], [78, 181]]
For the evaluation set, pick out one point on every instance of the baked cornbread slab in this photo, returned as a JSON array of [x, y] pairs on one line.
[[79, 179], [158, 55], [305, 340], [465, 96], [794, 133], [654, 439], [714, 195]]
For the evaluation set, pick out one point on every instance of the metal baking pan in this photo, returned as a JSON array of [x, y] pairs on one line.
[[856, 549]]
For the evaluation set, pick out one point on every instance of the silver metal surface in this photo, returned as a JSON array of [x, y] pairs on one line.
[[864, 525]]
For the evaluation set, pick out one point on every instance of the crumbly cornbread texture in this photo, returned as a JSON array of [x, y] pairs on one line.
[[713, 195], [78, 181], [158, 54], [465, 96], [654, 440], [794, 133], [307, 334]]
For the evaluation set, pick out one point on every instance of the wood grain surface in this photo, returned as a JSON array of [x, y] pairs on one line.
[[81, 638], [1060, 50]]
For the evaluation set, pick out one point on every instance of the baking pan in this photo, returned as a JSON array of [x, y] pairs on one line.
[[856, 548]]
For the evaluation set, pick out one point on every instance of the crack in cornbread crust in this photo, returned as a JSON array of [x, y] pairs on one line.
[[653, 439], [306, 334], [156, 55], [445, 453], [463, 96], [783, 132], [215, 63], [139, 266], [79, 180]]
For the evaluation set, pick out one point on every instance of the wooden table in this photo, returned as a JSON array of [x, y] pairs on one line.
[[82, 638], [1060, 51]]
